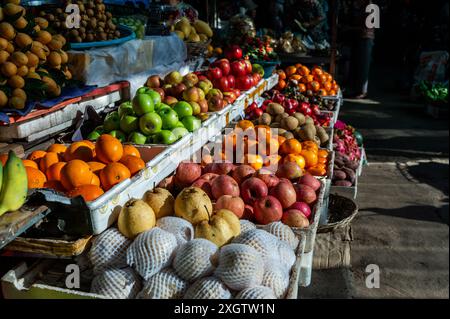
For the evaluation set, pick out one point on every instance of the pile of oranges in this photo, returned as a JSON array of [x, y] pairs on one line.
[[268, 150], [313, 81], [83, 168]]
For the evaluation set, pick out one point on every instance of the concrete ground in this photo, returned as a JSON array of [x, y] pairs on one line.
[[402, 226]]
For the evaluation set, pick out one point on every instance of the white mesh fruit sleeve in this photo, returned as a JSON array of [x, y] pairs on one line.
[[208, 288], [109, 250], [193, 260], [179, 227], [117, 283], [257, 292], [276, 277], [164, 285], [287, 255], [240, 266], [262, 241], [283, 232], [246, 225], [151, 251]]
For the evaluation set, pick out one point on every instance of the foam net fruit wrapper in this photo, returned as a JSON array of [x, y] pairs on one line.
[[262, 241], [276, 278], [117, 283], [257, 292], [208, 288], [246, 225], [180, 228], [151, 251], [109, 250], [287, 256], [164, 285], [193, 260], [283, 232], [240, 266]]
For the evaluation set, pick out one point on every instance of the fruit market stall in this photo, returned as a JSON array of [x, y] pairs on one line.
[[178, 182]]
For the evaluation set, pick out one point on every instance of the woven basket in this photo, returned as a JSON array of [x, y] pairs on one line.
[[196, 49], [341, 211]]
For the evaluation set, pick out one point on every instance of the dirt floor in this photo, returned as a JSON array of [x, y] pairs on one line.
[[402, 226]]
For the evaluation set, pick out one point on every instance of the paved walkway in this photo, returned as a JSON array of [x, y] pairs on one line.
[[402, 224]]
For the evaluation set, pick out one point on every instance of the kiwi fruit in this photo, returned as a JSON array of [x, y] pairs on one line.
[[287, 135], [300, 118], [275, 108], [309, 120], [281, 131], [308, 132], [279, 118], [90, 37], [289, 123], [322, 134], [265, 119], [317, 140]]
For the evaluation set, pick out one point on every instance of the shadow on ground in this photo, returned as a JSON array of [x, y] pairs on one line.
[[432, 173], [416, 212]]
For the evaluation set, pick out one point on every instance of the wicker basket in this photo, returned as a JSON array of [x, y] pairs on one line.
[[196, 49], [341, 211]]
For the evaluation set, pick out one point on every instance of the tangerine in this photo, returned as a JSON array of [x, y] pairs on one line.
[[55, 185], [291, 146], [317, 171], [291, 70], [311, 158], [133, 163], [79, 151], [48, 160], [281, 75], [36, 155], [108, 149], [113, 174], [53, 172], [95, 180], [322, 153], [298, 159], [88, 192], [130, 150], [255, 161], [96, 167], [244, 125], [75, 173], [36, 179], [29, 163], [57, 148]]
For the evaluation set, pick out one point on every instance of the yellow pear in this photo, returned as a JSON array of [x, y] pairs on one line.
[[135, 217]]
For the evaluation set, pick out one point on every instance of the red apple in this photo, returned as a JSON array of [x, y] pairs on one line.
[[303, 208], [231, 81], [221, 168], [257, 113], [187, 173], [222, 84], [178, 90], [203, 106], [253, 189], [233, 53], [248, 213], [170, 100], [289, 170], [214, 73], [209, 176], [248, 66], [238, 69], [267, 210], [160, 92], [215, 103], [244, 82], [305, 194], [205, 185], [224, 185], [167, 183], [242, 172], [232, 203], [201, 77], [295, 218], [256, 78], [284, 192], [224, 65], [310, 180], [269, 178], [153, 82]]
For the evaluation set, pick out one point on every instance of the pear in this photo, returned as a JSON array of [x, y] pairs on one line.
[[161, 201], [193, 204], [135, 217], [221, 228]]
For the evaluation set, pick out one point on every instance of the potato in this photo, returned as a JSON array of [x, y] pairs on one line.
[[351, 176], [343, 183]]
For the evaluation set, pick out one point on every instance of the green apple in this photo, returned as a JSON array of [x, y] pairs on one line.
[[119, 135], [179, 124], [129, 123], [137, 138], [169, 118], [155, 96], [183, 109], [191, 123], [150, 139], [164, 137], [161, 106], [112, 122], [180, 132], [205, 85], [150, 123], [143, 103], [195, 108], [257, 68], [125, 108], [142, 90], [93, 136]]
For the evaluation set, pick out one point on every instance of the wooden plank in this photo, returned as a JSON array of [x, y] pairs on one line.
[[13, 224]]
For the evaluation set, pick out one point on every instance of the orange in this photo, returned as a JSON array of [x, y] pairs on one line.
[[57, 148], [36, 179], [317, 171], [298, 65], [311, 158], [302, 87], [75, 173], [315, 86], [307, 79], [89, 143], [130, 150], [310, 145], [29, 163], [79, 150], [36, 155], [322, 92], [291, 146], [281, 84], [48, 160], [255, 161], [322, 160], [281, 139], [88, 192], [298, 159], [263, 131], [244, 125], [322, 153], [304, 71], [108, 149], [327, 86], [3, 158], [95, 180], [53, 172], [295, 77], [317, 71], [96, 167], [322, 79], [281, 75], [272, 160], [113, 174], [332, 92], [329, 77], [56, 185], [133, 163], [291, 70]]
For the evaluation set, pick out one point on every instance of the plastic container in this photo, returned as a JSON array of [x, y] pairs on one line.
[[268, 66]]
